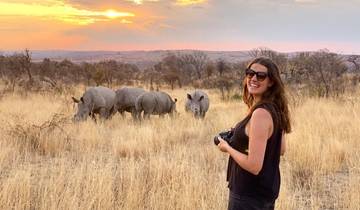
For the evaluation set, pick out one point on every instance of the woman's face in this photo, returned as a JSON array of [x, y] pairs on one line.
[[255, 86]]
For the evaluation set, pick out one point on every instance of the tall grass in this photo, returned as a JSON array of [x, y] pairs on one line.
[[47, 162]]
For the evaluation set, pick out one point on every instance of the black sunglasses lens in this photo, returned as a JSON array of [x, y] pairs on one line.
[[261, 76], [249, 73]]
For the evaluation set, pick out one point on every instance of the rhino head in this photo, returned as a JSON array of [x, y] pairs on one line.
[[83, 110], [194, 105]]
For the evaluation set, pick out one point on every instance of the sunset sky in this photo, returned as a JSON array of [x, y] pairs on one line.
[[282, 25]]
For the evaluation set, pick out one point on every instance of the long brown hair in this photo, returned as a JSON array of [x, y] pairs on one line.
[[274, 94]]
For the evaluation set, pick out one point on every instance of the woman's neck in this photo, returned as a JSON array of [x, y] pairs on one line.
[[257, 99]]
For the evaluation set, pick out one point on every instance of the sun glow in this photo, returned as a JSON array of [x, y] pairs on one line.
[[112, 14], [63, 12], [189, 2]]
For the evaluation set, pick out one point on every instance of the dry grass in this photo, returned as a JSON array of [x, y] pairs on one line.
[[47, 162]]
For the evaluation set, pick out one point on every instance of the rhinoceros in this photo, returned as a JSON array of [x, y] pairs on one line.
[[155, 103], [198, 103], [95, 100], [125, 100]]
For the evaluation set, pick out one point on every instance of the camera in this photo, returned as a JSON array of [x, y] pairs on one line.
[[226, 135]]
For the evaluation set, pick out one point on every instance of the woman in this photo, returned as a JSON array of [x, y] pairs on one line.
[[258, 140]]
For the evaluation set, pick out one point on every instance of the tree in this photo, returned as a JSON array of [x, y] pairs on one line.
[[221, 67], [321, 71], [87, 70], [210, 69], [198, 59], [171, 78], [279, 59], [25, 62], [225, 83], [355, 59], [152, 76], [98, 76], [109, 68]]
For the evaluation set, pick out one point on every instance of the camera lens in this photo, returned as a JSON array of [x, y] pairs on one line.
[[216, 140]]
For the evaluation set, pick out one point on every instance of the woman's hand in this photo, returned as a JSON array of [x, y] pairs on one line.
[[223, 145]]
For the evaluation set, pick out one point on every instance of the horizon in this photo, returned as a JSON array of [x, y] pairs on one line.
[[207, 25], [164, 50]]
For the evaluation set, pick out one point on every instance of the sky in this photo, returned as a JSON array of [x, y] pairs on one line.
[[226, 25]]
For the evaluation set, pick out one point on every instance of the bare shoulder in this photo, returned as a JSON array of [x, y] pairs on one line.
[[261, 114], [261, 121]]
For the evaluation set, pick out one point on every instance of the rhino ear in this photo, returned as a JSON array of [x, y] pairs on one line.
[[175, 100], [189, 96], [75, 100], [201, 98]]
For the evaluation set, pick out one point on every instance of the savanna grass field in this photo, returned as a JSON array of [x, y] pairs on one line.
[[49, 162]]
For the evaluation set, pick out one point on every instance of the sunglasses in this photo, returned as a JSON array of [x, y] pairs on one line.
[[260, 76]]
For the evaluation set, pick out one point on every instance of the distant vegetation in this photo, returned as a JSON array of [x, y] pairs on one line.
[[321, 73]]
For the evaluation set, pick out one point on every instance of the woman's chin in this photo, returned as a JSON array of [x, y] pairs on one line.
[[253, 92]]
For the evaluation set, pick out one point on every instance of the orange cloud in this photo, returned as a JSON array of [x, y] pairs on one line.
[[142, 1], [177, 2], [58, 10], [189, 2]]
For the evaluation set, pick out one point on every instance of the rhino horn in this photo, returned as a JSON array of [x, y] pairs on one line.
[[75, 100]]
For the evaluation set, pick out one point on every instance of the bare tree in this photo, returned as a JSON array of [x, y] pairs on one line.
[[321, 71], [225, 84], [25, 62], [355, 59], [198, 59], [222, 67], [152, 76], [87, 70], [280, 59], [171, 78], [210, 69], [109, 68], [13, 70]]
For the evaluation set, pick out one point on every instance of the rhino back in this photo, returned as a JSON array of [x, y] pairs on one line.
[[102, 97], [154, 102], [126, 97], [146, 102], [164, 102]]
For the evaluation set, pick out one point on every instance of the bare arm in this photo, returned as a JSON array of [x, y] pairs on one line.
[[261, 126]]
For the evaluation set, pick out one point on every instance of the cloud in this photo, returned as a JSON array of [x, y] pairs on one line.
[[306, 1], [189, 2], [142, 1], [58, 10]]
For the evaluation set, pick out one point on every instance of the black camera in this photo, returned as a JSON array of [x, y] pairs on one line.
[[226, 135]]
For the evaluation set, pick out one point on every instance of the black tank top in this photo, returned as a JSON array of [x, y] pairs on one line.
[[266, 184]]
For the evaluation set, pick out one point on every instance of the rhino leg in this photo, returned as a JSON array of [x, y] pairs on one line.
[[202, 115], [139, 117], [104, 114], [147, 115], [122, 112], [92, 115], [135, 114], [172, 114]]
